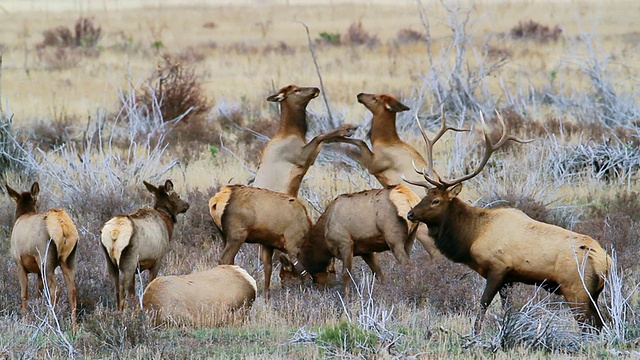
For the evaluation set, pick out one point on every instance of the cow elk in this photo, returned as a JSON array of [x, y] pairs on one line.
[[40, 242], [206, 298], [139, 241], [358, 224], [246, 214], [287, 156], [506, 246], [389, 157]]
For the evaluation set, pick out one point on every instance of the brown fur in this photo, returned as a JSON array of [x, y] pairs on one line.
[[139, 241], [254, 215], [358, 224], [390, 158], [205, 298], [506, 246], [30, 237], [287, 156]]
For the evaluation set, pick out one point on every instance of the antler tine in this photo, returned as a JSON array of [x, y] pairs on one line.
[[435, 182], [429, 143], [490, 148]]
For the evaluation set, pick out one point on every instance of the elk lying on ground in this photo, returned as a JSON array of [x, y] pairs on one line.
[[30, 238], [139, 241], [358, 224], [246, 214], [205, 298], [506, 246], [390, 157], [287, 156]]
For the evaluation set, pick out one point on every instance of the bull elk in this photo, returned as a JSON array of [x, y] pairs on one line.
[[358, 224], [206, 298], [287, 156], [139, 241], [246, 214], [35, 235], [390, 157], [506, 246]]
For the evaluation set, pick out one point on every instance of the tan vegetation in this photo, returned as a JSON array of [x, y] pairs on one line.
[[75, 120]]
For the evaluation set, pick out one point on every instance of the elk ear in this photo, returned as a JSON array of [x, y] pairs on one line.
[[454, 191], [35, 189], [277, 97], [151, 188], [395, 106], [12, 193], [168, 186]]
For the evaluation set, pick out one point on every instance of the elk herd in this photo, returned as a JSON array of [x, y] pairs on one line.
[[504, 246]]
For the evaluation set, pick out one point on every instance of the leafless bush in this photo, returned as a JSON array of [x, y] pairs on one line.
[[177, 90], [532, 30], [539, 325], [87, 35], [357, 35], [409, 36], [60, 58]]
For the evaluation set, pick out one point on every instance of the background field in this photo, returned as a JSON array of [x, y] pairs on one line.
[[86, 116]]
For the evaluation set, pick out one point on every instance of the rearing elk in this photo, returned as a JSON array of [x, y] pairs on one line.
[[506, 246], [34, 235], [390, 157], [287, 156]]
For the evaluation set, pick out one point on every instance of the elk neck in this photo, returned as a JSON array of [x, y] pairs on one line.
[[168, 218], [314, 254], [383, 129], [293, 120], [24, 207], [458, 229]]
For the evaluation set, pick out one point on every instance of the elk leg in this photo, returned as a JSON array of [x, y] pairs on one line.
[[347, 262], [373, 263], [24, 286], [40, 285], [231, 248], [494, 284], [427, 242], [266, 256], [114, 273], [69, 279]]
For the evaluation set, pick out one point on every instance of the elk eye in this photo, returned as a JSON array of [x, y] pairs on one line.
[[435, 202]]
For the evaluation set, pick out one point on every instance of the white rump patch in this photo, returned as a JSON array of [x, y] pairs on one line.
[[243, 273], [404, 200], [62, 230], [218, 203], [116, 235]]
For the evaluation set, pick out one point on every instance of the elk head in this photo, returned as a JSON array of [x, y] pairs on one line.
[[26, 201], [295, 95], [167, 199], [433, 208], [381, 103]]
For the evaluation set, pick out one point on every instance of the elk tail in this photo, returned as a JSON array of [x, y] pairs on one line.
[[116, 235], [218, 203], [62, 231]]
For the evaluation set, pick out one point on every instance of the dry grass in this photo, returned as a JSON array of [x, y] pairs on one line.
[[72, 136]]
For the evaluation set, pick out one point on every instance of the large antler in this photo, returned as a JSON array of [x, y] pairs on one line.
[[430, 142], [490, 148]]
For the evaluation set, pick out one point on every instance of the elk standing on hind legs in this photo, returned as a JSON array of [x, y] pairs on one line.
[[287, 156], [358, 224], [246, 214], [506, 246], [390, 157], [30, 238], [139, 241]]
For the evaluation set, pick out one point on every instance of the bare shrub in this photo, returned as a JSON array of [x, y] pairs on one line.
[[281, 48], [357, 35], [51, 134], [409, 36], [59, 58], [532, 30], [86, 35], [209, 25]]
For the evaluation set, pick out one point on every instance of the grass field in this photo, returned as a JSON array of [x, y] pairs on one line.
[[83, 114]]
